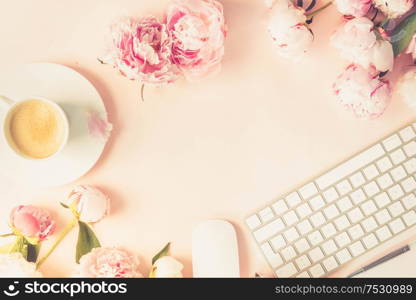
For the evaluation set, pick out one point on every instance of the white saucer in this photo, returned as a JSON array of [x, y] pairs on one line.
[[76, 95]]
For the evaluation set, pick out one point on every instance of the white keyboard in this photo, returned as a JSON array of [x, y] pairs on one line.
[[342, 214]]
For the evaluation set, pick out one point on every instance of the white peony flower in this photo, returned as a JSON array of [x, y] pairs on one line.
[[288, 30], [14, 265], [167, 266], [358, 43], [407, 88], [394, 8], [89, 202], [356, 8]]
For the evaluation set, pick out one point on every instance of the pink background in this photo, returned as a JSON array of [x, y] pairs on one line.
[[192, 151]]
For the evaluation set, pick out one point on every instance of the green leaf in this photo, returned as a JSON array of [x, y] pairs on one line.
[[87, 240], [33, 252], [403, 33], [63, 205], [163, 252], [20, 245], [6, 248]]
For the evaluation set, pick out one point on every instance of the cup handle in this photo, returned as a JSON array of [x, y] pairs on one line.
[[6, 100]]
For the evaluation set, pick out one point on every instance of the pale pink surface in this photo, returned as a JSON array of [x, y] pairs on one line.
[[32, 221], [216, 149]]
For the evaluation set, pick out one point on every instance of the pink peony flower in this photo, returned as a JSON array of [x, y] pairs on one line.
[[394, 8], [358, 43], [32, 222], [411, 49], [198, 31], [288, 29], [91, 204], [108, 262], [362, 92], [355, 8], [141, 50]]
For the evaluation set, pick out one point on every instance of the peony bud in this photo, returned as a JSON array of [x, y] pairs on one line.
[[167, 267]]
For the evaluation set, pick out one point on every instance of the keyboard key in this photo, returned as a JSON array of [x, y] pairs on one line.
[[344, 204], [304, 226], [303, 210], [385, 181], [330, 195], [350, 167], [290, 218], [342, 239], [308, 190], [371, 172], [410, 218], [396, 209], [317, 219], [343, 256], [356, 232], [266, 214], [398, 156], [357, 179], [358, 196], [383, 233], [382, 200], [291, 234], [371, 189], [409, 184], [344, 187], [328, 230], [288, 253], [368, 207], [398, 173], [392, 142], [396, 226], [280, 207], [395, 192], [286, 271], [355, 215], [315, 238], [274, 259], [303, 275], [407, 134], [269, 230], [409, 201], [303, 262], [384, 164], [410, 166], [302, 245], [357, 248], [329, 247], [383, 216], [410, 149], [317, 202], [278, 242], [369, 224], [317, 271], [370, 241], [293, 199], [331, 211], [253, 221], [330, 263], [342, 222], [316, 254]]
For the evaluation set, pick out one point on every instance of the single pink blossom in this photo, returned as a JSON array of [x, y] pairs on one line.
[[141, 50], [355, 8], [32, 222], [108, 262], [362, 92], [198, 32], [98, 127], [394, 8]]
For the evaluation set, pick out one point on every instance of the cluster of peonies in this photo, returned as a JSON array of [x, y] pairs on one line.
[[90, 205], [359, 8], [359, 88], [189, 42]]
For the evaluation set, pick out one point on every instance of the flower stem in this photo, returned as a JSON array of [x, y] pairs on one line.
[[317, 11], [58, 240], [6, 234]]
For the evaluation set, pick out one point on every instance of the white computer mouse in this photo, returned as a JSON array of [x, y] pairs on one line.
[[215, 250]]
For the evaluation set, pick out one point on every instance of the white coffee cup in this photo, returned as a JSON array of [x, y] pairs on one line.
[[12, 105]]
